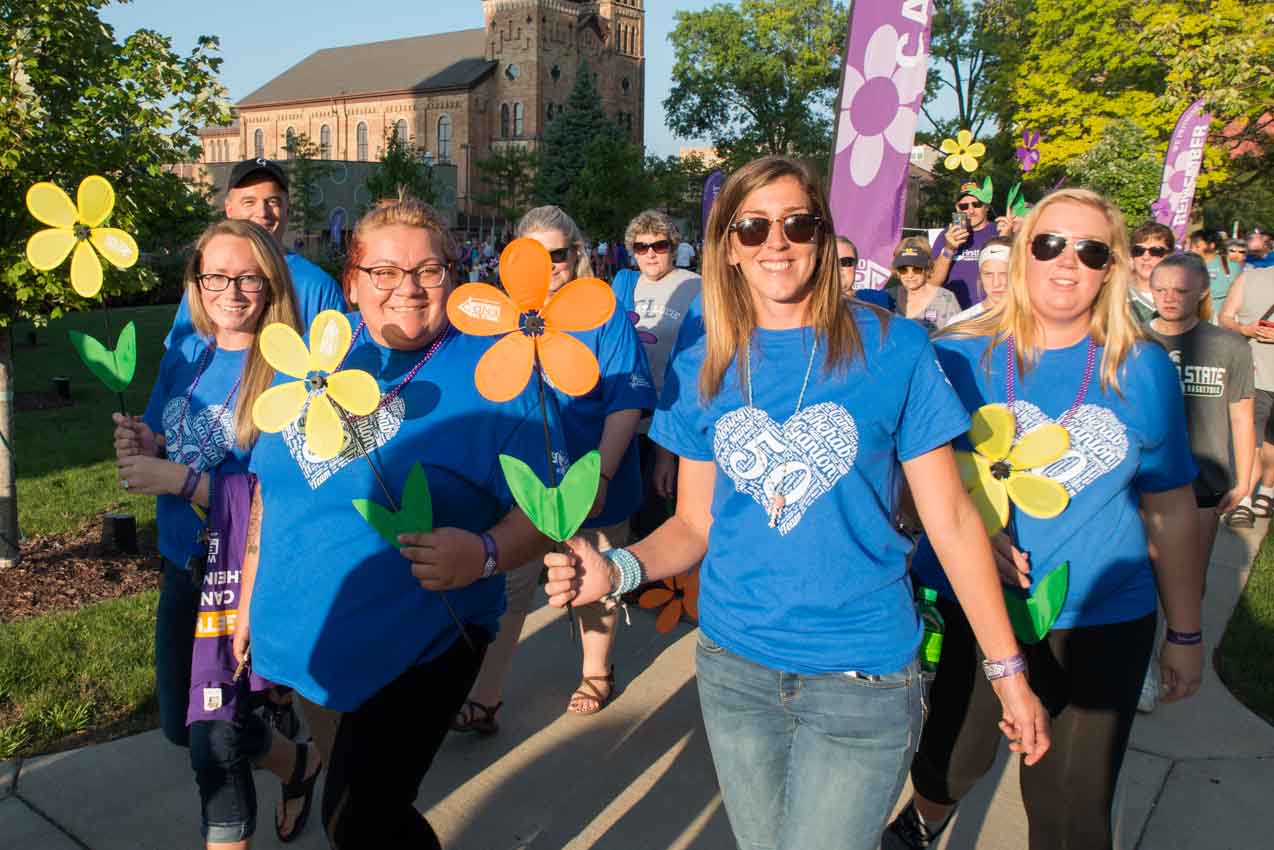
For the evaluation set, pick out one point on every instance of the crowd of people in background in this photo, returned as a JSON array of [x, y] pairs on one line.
[[1029, 394]]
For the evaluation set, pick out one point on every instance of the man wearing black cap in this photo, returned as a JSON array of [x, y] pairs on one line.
[[257, 190], [956, 250]]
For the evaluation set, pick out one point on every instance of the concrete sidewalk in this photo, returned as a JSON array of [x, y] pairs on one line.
[[638, 776]]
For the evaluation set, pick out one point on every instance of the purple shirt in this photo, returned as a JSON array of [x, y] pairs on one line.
[[963, 280]]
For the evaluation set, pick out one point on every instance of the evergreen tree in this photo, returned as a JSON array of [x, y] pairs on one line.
[[565, 142], [305, 170], [401, 165], [508, 175]]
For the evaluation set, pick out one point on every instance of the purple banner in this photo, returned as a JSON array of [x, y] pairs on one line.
[[711, 188], [1181, 170], [882, 85]]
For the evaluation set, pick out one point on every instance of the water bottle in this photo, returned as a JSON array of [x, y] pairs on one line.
[[934, 625]]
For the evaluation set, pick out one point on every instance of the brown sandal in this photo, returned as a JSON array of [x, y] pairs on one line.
[[588, 690], [476, 717]]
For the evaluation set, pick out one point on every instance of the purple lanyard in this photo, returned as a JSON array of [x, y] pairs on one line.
[[1010, 377], [398, 387], [181, 424]]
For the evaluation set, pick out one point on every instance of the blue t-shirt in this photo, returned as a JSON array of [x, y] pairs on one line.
[[625, 384], [316, 291], [202, 436], [827, 589], [1121, 446], [336, 613]]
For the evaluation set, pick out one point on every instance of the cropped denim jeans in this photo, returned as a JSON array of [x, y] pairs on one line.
[[814, 762]]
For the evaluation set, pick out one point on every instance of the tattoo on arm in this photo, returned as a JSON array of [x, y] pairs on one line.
[[253, 543]]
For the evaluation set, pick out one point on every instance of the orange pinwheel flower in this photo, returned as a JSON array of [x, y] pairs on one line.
[[677, 594], [533, 322]]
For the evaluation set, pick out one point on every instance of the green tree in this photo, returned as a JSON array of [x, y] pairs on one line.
[[508, 174], [676, 187], [305, 169], [567, 138], [1123, 166], [401, 166], [74, 102], [610, 189], [759, 78]]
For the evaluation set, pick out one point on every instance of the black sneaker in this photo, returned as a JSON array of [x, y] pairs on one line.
[[909, 832]]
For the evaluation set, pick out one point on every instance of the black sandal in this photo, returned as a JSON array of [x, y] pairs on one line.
[[296, 788], [476, 717], [1241, 517], [1262, 506]]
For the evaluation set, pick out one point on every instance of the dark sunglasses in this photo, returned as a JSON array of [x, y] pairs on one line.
[[970, 205], [1153, 250], [561, 255], [1091, 252], [847, 262], [798, 227], [659, 246]]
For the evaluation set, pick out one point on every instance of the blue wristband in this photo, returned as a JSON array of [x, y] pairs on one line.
[[630, 572]]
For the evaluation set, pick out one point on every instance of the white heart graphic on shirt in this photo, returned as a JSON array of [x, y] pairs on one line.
[[1099, 443], [205, 437], [374, 431], [800, 461]]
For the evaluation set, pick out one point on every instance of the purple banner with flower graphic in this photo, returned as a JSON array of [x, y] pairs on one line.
[[882, 85], [711, 188], [1181, 170]]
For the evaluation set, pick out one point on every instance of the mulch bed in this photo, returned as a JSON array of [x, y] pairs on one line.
[[62, 572]]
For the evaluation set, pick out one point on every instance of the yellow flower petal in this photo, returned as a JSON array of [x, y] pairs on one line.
[[965, 138], [48, 249], [992, 501], [329, 341], [1042, 498], [968, 163], [278, 407], [952, 162], [50, 205], [95, 200], [119, 249], [324, 434], [992, 431], [977, 149], [1040, 447], [86, 270], [972, 467], [950, 146], [283, 349], [354, 390]]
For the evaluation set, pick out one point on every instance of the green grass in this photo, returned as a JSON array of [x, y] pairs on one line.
[[1246, 657], [66, 469], [75, 672]]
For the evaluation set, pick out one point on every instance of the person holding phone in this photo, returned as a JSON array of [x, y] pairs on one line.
[[956, 250]]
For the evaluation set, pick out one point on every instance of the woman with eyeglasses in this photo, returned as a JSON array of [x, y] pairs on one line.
[[198, 426], [795, 419], [1113, 505], [604, 419], [382, 637], [1151, 242], [916, 295]]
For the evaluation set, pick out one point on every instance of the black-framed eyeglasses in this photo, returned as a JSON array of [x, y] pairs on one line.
[[560, 255], [847, 262], [221, 282], [801, 228], [965, 206], [1091, 252], [659, 246], [1159, 251], [426, 276]]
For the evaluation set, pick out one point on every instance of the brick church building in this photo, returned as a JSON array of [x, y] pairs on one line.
[[456, 96]]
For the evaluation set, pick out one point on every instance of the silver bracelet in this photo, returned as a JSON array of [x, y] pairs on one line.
[[630, 572]]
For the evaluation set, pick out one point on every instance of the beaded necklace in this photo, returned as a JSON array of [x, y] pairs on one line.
[[1010, 377], [411, 373]]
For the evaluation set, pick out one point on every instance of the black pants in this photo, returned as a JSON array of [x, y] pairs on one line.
[[1089, 679], [381, 752], [654, 509]]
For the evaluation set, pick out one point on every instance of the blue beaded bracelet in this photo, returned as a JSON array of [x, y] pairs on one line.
[[630, 572]]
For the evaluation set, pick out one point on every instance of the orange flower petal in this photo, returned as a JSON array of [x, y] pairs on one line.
[[668, 618], [655, 597], [568, 363], [503, 371], [479, 309], [691, 599], [581, 305], [525, 270]]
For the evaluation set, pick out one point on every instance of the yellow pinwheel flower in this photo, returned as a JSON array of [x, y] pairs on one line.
[[318, 383], [994, 472], [75, 226], [963, 152]]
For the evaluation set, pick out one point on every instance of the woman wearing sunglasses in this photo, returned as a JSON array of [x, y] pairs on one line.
[[1151, 242], [792, 418], [1065, 349], [916, 295]]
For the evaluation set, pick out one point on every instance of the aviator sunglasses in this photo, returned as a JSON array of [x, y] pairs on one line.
[[1091, 252], [798, 227], [1158, 251]]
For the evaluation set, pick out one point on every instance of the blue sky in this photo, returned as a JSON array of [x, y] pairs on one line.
[[261, 39]]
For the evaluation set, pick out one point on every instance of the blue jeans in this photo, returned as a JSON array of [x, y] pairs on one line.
[[810, 762]]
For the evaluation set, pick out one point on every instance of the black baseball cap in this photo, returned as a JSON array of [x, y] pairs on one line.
[[912, 256], [249, 167], [1258, 231]]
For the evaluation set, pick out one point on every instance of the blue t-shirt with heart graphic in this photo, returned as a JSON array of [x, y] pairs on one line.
[[336, 613], [826, 590], [1122, 444], [201, 435]]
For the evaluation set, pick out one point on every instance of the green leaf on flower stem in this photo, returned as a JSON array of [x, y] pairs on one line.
[[115, 368], [1034, 614], [415, 516], [557, 512]]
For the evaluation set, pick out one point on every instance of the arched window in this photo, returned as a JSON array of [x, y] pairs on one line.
[[362, 141], [504, 121], [289, 142], [325, 142], [258, 143], [400, 130], [444, 138], [517, 120]]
